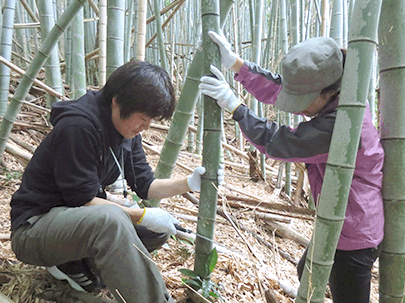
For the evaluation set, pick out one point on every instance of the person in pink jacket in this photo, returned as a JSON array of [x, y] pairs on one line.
[[309, 85]]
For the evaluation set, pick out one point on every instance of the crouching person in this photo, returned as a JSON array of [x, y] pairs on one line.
[[60, 217]]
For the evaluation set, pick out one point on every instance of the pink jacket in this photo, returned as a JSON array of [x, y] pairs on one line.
[[363, 226]]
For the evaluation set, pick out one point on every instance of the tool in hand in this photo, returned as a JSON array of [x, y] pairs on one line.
[[181, 228]]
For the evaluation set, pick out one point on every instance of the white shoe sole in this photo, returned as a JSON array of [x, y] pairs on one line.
[[58, 274]]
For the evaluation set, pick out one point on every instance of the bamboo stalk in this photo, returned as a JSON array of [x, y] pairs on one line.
[[102, 50], [183, 112], [392, 75], [141, 37]]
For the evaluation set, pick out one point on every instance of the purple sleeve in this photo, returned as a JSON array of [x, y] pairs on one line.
[[262, 84], [308, 143]]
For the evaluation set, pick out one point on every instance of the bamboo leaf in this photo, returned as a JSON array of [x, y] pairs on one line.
[[188, 272], [212, 260]]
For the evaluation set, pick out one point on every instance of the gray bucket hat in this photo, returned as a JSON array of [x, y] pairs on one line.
[[308, 68]]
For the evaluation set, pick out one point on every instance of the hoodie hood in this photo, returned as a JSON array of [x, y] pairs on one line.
[[80, 107]]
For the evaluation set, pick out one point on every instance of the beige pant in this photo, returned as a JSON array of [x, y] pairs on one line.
[[103, 233]]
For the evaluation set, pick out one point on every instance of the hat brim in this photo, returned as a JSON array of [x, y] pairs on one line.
[[293, 103]]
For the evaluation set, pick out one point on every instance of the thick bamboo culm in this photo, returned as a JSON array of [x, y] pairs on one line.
[[392, 75]]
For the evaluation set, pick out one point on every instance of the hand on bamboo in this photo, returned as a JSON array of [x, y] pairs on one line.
[[219, 90], [158, 220], [194, 180], [228, 57]]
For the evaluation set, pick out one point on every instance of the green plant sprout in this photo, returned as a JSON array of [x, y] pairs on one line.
[[205, 287]]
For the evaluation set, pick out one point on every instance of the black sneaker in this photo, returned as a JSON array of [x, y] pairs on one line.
[[78, 275]]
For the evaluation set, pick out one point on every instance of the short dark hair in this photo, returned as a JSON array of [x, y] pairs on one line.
[[140, 86]]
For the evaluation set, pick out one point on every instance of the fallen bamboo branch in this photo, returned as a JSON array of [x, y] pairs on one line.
[[285, 232]]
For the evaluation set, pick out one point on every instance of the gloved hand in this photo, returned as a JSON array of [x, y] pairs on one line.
[[221, 174], [194, 180], [158, 220], [219, 89], [228, 57]]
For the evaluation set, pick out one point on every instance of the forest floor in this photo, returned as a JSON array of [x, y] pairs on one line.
[[243, 276]]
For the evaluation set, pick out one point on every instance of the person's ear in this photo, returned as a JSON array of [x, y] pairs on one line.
[[328, 96]]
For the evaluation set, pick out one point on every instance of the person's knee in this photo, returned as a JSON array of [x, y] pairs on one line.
[[110, 217], [150, 239]]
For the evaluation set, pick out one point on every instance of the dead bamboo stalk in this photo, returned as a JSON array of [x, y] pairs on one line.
[[285, 232], [272, 205], [4, 237], [22, 143], [272, 217], [42, 85], [18, 152]]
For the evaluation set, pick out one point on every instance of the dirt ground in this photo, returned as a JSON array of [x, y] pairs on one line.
[[239, 275]]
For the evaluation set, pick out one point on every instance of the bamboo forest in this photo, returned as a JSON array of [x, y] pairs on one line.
[[240, 239]]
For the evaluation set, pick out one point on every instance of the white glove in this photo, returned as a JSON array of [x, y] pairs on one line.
[[158, 220], [228, 57], [219, 90], [194, 180], [221, 174]]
